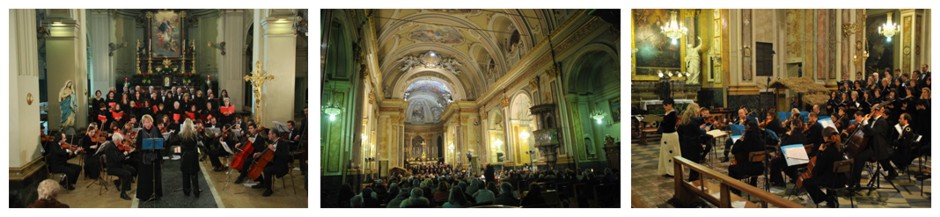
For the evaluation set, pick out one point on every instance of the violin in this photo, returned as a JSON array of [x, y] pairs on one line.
[[74, 148]]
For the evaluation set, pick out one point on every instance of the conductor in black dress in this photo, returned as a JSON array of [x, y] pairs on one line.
[[149, 169], [189, 166]]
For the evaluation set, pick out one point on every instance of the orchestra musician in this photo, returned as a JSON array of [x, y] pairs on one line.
[[741, 120], [114, 159], [778, 163], [875, 126], [90, 142], [278, 166], [822, 173], [223, 139], [58, 157], [905, 140], [751, 141], [257, 141]]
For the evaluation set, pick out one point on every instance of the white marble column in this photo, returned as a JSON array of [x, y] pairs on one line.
[[102, 75], [280, 57], [233, 30], [24, 82], [66, 58]]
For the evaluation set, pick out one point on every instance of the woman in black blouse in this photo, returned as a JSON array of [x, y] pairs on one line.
[[669, 145]]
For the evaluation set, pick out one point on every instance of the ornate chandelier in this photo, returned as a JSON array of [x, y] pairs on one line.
[[889, 28], [673, 29]]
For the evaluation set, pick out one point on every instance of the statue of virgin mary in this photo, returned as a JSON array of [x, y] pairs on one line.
[[67, 104]]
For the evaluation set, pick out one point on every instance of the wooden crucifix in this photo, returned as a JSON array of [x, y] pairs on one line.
[[257, 79]]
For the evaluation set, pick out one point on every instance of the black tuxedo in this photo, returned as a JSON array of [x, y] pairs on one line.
[[58, 163], [278, 166], [879, 149]]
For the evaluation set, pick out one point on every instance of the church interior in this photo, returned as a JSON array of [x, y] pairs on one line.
[[786, 108], [214, 108], [470, 108]]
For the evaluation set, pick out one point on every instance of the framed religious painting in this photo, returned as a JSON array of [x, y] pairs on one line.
[[652, 50], [615, 109], [166, 33]]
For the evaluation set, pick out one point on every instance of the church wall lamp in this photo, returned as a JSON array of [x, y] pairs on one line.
[[220, 46], [115, 46]]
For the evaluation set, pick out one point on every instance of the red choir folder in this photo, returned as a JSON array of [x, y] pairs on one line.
[[176, 117], [227, 110]]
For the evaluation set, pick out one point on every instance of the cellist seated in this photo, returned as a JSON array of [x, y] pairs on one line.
[[277, 166], [822, 172], [258, 145]]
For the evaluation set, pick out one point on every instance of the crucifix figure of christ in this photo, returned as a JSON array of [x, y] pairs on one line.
[[257, 79]]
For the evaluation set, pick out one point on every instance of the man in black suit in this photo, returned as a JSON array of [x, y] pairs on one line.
[[905, 140], [58, 163], [278, 165], [114, 159], [258, 144], [876, 127]]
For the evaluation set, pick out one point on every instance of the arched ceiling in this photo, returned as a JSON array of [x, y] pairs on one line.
[[465, 49]]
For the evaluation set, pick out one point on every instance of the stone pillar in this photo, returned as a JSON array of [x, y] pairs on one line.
[[26, 166], [66, 55], [232, 67], [102, 75], [280, 57], [23, 87]]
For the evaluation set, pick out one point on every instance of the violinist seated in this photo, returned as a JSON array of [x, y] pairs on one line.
[[224, 140], [751, 141], [115, 160], [58, 157], [90, 142], [822, 172], [850, 128], [278, 166], [779, 163], [258, 144]]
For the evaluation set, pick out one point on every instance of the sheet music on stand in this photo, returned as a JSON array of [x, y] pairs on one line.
[[795, 154], [827, 122], [213, 131]]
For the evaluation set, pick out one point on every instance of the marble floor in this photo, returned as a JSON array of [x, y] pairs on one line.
[[223, 193], [654, 190]]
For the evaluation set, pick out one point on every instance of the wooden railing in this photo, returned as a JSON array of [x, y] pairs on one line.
[[688, 193]]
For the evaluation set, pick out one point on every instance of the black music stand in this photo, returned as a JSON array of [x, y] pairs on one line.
[[154, 145]]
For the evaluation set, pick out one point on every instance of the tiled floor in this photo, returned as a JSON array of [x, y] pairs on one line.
[[655, 190], [233, 195]]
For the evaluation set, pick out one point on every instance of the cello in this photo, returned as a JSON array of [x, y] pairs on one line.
[[857, 140], [260, 163], [238, 162]]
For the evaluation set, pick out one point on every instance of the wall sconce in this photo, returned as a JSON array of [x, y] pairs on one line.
[[864, 56], [747, 51], [524, 135], [220, 46], [113, 47], [332, 111]]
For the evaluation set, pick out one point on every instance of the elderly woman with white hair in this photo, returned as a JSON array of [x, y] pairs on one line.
[[48, 190]]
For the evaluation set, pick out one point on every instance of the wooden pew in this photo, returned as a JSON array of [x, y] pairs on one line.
[[689, 192]]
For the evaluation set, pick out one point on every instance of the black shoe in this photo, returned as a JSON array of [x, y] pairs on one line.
[[124, 196], [186, 193], [239, 180], [196, 193], [257, 186], [832, 202], [891, 176], [725, 159], [267, 193]]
